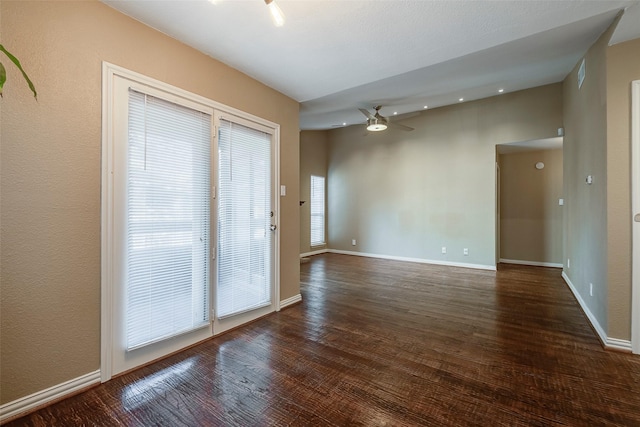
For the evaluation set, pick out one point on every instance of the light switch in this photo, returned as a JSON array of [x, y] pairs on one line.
[[283, 190], [561, 202]]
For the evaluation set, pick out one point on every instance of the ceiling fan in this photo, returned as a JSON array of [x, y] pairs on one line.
[[377, 122]]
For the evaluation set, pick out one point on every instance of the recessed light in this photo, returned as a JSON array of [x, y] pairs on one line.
[[344, 124], [395, 113], [500, 90], [426, 106], [461, 99]]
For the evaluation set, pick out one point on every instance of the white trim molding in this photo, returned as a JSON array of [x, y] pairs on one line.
[[417, 260], [290, 301], [57, 392], [635, 201], [618, 344], [607, 342], [583, 305], [532, 263], [318, 252]]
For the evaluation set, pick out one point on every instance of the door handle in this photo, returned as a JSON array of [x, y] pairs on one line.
[[273, 227], [637, 218]]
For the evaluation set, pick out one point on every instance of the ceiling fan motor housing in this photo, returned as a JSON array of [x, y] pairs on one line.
[[376, 124]]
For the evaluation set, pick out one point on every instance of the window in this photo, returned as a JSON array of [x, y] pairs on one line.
[[317, 210]]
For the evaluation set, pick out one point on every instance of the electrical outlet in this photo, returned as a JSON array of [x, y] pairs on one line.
[[465, 251], [444, 249], [590, 289], [353, 242]]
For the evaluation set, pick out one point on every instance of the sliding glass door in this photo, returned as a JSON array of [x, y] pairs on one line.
[[188, 220]]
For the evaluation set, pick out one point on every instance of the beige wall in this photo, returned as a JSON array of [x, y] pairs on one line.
[[50, 199], [530, 216], [407, 194], [585, 153], [598, 220], [623, 66], [313, 161]]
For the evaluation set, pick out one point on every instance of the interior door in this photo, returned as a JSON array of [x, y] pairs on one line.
[[635, 189], [246, 222]]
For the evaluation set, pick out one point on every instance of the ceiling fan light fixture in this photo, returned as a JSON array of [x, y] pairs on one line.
[[375, 125], [276, 13]]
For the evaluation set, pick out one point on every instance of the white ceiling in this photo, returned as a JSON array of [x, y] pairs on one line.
[[335, 56]]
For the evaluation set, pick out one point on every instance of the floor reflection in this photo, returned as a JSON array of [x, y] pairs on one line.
[[147, 389]]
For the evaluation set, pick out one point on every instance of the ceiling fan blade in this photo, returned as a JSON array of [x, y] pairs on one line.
[[366, 113], [400, 127]]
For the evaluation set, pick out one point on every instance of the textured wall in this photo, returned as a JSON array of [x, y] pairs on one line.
[[410, 193], [313, 161], [50, 200], [530, 216], [623, 66]]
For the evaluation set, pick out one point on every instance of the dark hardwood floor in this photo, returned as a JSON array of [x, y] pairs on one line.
[[386, 343]]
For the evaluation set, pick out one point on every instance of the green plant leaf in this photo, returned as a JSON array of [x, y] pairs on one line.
[[3, 77], [24, 74]]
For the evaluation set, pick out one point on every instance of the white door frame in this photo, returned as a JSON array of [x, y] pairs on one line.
[[635, 210], [498, 212], [110, 73]]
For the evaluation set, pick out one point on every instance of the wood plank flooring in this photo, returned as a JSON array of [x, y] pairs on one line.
[[385, 343]]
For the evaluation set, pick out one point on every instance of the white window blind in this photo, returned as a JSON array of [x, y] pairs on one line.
[[167, 215], [244, 218], [317, 210]]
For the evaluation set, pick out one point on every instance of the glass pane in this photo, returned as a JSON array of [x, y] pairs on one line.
[[244, 218], [168, 184]]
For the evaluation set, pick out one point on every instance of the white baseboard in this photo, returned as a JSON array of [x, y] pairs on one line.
[[41, 398], [607, 342], [594, 322], [532, 263], [290, 301], [418, 260], [618, 344], [318, 252]]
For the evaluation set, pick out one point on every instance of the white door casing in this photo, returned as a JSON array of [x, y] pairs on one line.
[[635, 215]]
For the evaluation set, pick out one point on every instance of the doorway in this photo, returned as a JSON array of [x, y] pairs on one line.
[[529, 194]]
